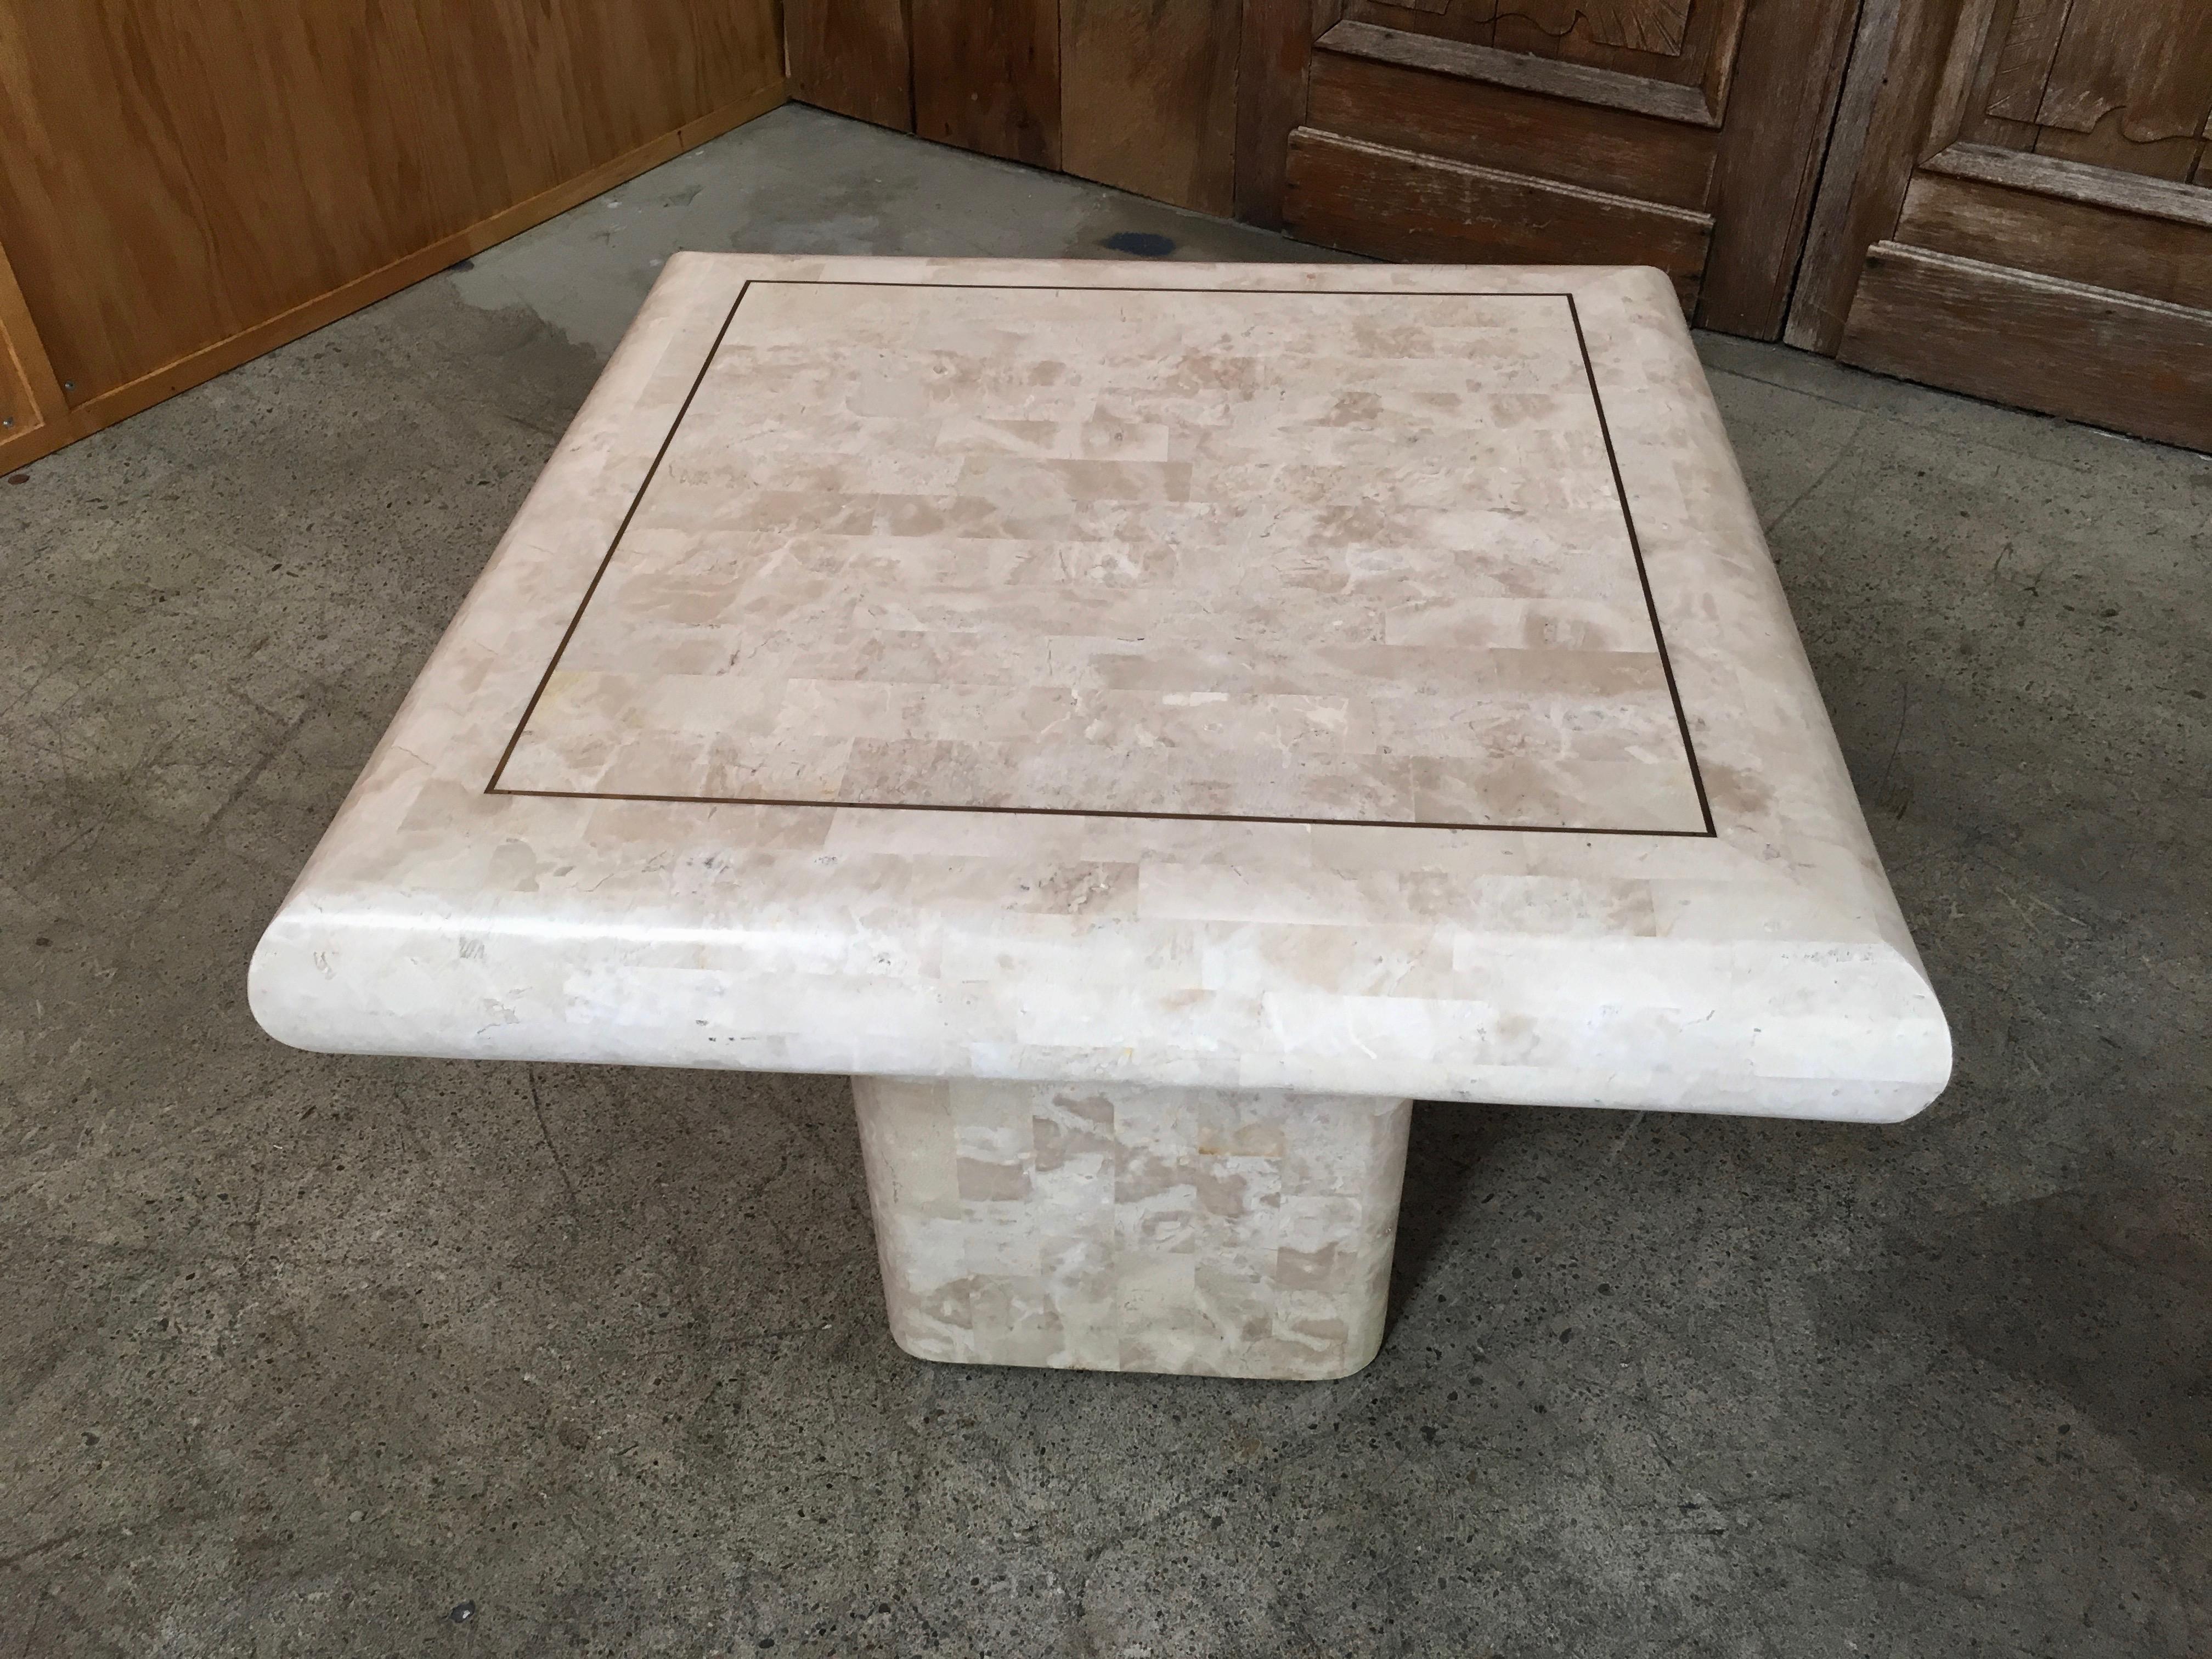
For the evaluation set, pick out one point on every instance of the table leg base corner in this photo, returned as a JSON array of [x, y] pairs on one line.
[[1119, 1228]]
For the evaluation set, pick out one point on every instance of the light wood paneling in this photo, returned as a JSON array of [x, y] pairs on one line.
[[852, 57], [30, 397], [229, 353], [1369, 198], [2089, 353], [177, 176], [1148, 97], [987, 77]]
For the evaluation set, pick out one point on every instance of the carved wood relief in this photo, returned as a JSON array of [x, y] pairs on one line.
[[1656, 26], [2128, 72]]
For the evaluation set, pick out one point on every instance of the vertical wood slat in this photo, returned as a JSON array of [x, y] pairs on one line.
[[1789, 72], [1273, 59], [987, 77], [1148, 99], [1897, 74], [852, 57], [1995, 84]]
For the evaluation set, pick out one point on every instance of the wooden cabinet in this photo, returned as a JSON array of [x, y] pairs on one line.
[[2025, 213], [1684, 134]]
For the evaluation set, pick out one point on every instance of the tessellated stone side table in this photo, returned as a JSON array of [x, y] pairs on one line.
[[1146, 724]]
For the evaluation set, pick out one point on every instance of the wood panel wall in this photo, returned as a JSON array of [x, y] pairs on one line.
[[1148, 99], [1139, 93], [186, 183]]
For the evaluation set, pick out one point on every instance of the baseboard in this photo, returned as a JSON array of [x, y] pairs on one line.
[[2062, 348]]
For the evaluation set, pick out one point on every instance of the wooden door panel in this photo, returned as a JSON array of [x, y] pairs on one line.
[[851, 56], [1346, 194], [1148, 99], [2150, 60], [1653, 26], [1670, 40], [1555, 77], [2085, 242], [2125, 84], [987, 77], [1690, 127], [2087, 353], [1599, 147], [2026, 227]]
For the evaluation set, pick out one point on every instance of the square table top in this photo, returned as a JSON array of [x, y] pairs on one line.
[[1363, 680]]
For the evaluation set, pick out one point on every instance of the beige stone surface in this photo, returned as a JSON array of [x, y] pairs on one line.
[[1255, 555], [967, 567], [1133, 1230]]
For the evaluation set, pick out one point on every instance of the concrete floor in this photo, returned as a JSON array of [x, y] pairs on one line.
[[309, 1355]]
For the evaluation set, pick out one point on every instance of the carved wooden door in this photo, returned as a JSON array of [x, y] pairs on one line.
[[1685, 134], [2029, 216]]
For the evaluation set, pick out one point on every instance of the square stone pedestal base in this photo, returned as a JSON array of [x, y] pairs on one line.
[[1214, 1231]]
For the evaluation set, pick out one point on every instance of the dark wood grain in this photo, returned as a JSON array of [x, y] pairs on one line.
[[2087, 353], [1999, 81], [1555, 77], [1789, 73], [987, 77], [2023, 40], [852, 57], [1272, 58], [1897, 74], [2073, 181], [2107, 145], [1828, 244], [1370, 198], [1588, 144], [2149, 61], [1148, 97], [2103, 247], [1788, 78], [1686, 42]]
